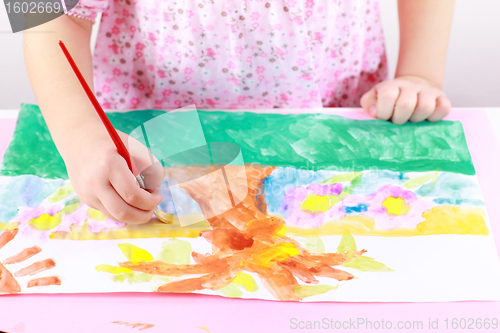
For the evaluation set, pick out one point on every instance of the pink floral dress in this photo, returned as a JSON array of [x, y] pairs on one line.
[[235, 53]]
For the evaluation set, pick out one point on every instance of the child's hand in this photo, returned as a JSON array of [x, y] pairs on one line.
[[406, 98], [101, 178]]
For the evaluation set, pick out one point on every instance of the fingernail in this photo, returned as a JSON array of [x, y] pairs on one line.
[[372, 110]]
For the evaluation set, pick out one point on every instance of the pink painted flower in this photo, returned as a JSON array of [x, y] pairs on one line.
[[117, 72], [134, 101], [132, 28], [166, 92], [126, 85], [259, 69], [139, 46], [106, 89], [115, 30], [161, 73], [188, 70]]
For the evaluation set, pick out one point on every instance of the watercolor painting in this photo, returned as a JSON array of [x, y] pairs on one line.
[[328, 216]]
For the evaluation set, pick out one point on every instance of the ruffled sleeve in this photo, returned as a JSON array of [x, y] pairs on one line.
[[88, 9]]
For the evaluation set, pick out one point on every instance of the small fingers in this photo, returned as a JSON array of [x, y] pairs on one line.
[[405, 106], [100, 207], [123, 181], [153, 176], [425, 106], [443, 108], [119, 210], [368, 101], [387, 95]]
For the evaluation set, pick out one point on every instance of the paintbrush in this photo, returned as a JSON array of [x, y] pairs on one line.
[[122, 150]]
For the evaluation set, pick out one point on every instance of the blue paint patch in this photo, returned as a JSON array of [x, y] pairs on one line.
[[354, 209], [24, 191], [282, 179]]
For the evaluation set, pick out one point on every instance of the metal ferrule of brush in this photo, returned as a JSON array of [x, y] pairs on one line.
[[140, 181]]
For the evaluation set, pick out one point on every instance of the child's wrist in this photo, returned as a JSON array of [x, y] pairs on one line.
[[419, 79]]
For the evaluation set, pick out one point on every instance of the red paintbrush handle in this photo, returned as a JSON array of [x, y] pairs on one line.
[[122, 150]]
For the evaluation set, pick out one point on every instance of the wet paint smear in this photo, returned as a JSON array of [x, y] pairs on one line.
[[44, 281], [308, 141]]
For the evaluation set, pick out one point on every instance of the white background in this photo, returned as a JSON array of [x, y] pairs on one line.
[[472, 72]]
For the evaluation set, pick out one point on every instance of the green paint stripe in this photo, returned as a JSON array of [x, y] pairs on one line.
[[309, 141]]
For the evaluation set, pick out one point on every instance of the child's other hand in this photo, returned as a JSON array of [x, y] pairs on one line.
[[406, 98], [101, 178]]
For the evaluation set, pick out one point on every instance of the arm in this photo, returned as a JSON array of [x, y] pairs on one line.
[[425, 27], [97, 172], [54, 84], [415, 93]]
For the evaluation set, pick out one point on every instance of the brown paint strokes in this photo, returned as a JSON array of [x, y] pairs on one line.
[[8, 284], [7, 236], [246, 238], [23, 255], [45, 281], [136, 325], [36, 267]]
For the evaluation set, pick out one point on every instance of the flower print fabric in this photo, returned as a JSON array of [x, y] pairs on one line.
[[235, 53]]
